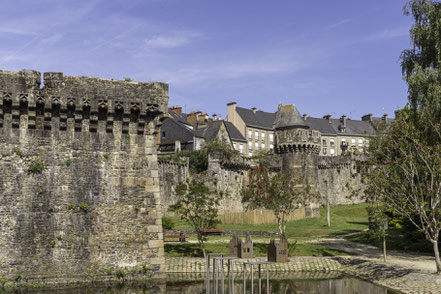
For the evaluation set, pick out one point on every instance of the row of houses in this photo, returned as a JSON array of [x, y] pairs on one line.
[[251, 130]]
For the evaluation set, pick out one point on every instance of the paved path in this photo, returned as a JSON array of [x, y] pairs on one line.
[[420, 262]]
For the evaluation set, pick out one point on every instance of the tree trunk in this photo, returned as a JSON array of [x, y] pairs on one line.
[[201, 242], [437, 259], [384, 248]]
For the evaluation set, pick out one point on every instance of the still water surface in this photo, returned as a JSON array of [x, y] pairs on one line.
[[342, 285]]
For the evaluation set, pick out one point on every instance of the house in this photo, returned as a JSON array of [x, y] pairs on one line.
[[182, 131], [255, 125]]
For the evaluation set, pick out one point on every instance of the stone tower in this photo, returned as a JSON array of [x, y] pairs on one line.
[[297, 145]]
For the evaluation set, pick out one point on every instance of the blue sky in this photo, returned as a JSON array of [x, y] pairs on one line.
[[327, 57]]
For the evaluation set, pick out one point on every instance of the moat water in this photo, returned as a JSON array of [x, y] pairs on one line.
[[341, 285]]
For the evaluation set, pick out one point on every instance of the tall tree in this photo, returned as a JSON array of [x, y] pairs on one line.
[[282, 194], [198, 206]]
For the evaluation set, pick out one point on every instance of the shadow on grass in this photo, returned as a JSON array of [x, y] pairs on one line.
[[188, 249], [359, 223]]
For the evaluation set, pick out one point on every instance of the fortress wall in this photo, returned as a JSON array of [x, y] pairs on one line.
[[79, 182]]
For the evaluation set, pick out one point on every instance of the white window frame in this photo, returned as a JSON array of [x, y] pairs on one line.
[[263, 145], [271, 136], [256, 135], [250, 134], [241, 148]]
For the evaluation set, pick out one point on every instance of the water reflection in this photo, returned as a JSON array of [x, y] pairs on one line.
[[288, 283]]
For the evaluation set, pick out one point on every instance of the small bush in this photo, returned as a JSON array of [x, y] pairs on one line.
[[120, 274], [71, 206], [167, 223], [128, 79], [84, 207], [36, 167], [18, 152], [68, 162]]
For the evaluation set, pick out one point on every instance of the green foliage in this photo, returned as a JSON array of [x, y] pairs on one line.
[[167, 223], [145, 269], [59, 236], [198, 159], [120, 274], [109, 271], [51, 209], [106, 155], [17, 278], [18, 152], [68, 162], [83, 207], [71, 206], [127, 79], [40, 191], [136, 208], [36, 167], [283, 193], [197, 205], [266, 158], [52, 243]]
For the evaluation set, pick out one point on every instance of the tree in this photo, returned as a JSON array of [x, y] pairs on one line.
[[197, 205], [282, 194], [405, 174]]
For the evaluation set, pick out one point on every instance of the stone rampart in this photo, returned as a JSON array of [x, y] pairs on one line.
[[79, 182]]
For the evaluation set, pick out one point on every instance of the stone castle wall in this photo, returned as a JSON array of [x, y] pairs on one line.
[[171, 174], [79, 182]]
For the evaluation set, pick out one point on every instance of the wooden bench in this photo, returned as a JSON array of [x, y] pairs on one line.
[[212, 231], [181, 236]]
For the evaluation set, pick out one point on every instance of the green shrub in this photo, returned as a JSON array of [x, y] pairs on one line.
[[167, 223], [71, 206], [36, 167], [18, 152], [84, 207], [128, 79], [52, 243], [68, 162], [120, 274]]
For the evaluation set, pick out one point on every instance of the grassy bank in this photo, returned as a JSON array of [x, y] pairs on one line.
[[344, 219]]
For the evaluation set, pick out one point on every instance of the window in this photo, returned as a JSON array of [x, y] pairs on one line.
[[271, 137], [256, 146], [325, 151], [234, 146], [262, 135], [332, 152], [250, 133], [250, 145], [250, 153], [332, 143], [241, 148], [324, 142], [163, 134], [271, 147], [263, 145], [353, 142], [343, 141], [256, 135], [360, 143]]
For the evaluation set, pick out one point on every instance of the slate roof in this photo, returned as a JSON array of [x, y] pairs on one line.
[[354, 127], [288, 116], [234, 133], [260, 119], [320, 124], [182, 118], [175, 131]]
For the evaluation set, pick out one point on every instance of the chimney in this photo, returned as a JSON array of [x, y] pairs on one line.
[[304, 116], [254, 109], [328, 117], [214, 116], [384, 117], [367, 117], [177, 109], [343, 120]]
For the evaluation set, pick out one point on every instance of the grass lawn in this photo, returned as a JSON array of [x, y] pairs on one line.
[[260, 249], [344, 219]]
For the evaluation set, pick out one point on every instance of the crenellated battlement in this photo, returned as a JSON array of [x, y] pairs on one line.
[[80, 103]]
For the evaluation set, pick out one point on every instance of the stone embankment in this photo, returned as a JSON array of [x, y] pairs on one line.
[[391, 276]]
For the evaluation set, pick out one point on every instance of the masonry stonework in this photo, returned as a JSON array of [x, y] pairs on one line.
[[79, 182]]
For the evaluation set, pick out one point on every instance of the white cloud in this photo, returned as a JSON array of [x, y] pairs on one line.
[[388, 34], [337, 24], [172, 40]]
